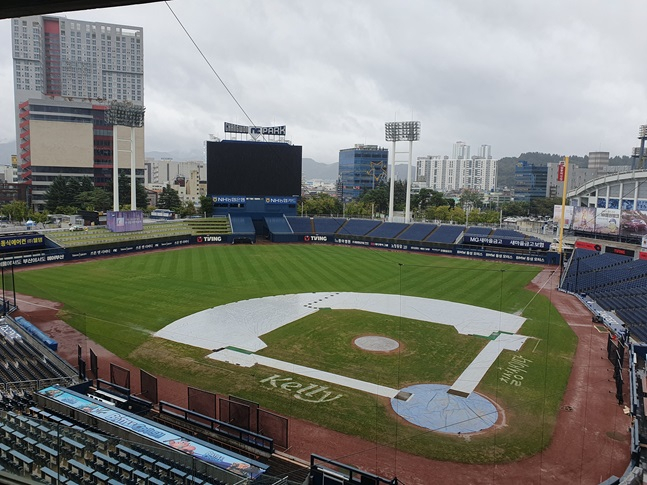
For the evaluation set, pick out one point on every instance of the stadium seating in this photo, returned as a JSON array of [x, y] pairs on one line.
[[416, 232], [446, 234], [242, 225], [301, 225], [616, 283], [278, 225], [327, 225], [358, 227], [388, 230], [508, 233], [478, 231]]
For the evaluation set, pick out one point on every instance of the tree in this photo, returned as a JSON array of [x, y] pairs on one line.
[[321, 204], [38, 217], [86, 185], [141, 198], [169, 199], [378, 198], [187, 209], [399, 195], [16, 211], [357, 208], [441, 213], [58, 194], [96, 199], [515, 209], [471, 197], [206, 206], [544, 206]]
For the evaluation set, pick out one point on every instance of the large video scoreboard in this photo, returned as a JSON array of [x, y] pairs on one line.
[[253, 169]]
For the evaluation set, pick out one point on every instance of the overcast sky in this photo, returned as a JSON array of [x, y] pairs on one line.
[[553, 76]]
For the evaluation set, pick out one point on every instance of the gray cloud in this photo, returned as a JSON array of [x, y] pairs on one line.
[[553, 76]]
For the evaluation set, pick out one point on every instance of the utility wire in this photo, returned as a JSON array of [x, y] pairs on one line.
[[209, 64]]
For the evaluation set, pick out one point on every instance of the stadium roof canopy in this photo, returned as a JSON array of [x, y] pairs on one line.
[[41, 7], [605, 180]]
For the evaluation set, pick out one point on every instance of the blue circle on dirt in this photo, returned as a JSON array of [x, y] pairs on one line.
[[432, 407]]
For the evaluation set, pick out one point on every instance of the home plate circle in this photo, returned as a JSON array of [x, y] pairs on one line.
[[374, 343], [430, 406]]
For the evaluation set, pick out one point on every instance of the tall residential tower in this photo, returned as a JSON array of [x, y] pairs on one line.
[[66, 73]]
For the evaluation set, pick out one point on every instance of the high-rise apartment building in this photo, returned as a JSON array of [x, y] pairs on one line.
[[361, 168], [66, 72], [445, 174]]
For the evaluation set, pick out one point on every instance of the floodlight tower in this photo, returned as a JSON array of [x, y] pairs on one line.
[[124, 113], [396, 131], [642, 136], [635, 155]]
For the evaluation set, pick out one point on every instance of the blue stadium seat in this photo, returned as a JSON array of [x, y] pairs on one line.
[[301, 225], [242, 225], [478, 231], [417, 232], [327, 225], [446, 234], [278, 225], [358, 227], [388, 230]]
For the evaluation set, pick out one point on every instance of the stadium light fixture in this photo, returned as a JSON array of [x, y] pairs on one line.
[[642, 131], [402, 130], [124, 113]]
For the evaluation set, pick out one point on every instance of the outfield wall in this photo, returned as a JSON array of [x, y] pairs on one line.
[[550, 258], [53, 255]]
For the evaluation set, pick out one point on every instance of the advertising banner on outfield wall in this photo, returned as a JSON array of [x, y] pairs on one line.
[[21, 242], [210, 239], [542, 258], [37, 257], [127, 248], [509, 242]]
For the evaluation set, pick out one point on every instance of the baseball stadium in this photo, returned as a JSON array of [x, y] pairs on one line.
[[257, 346]]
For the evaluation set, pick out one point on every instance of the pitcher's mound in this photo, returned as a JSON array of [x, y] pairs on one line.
[[374, 343]]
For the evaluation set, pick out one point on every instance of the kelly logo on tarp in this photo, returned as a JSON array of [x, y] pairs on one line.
[[310, 393]]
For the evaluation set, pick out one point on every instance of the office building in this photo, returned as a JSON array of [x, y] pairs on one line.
[[66, 73], [361, 168], [530, 181]]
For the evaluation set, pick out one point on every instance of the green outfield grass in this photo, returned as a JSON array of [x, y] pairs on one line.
[[121, 302]]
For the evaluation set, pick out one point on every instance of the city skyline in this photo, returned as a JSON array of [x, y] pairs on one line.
[[526, 77]]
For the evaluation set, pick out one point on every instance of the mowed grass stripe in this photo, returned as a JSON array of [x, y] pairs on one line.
[[119, 302]]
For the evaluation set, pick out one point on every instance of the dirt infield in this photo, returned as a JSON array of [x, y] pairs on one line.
[[591, 440]]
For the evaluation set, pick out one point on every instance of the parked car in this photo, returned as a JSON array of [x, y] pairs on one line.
[[76, 227]]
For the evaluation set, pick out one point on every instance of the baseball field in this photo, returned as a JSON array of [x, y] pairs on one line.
[[121, 302]]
